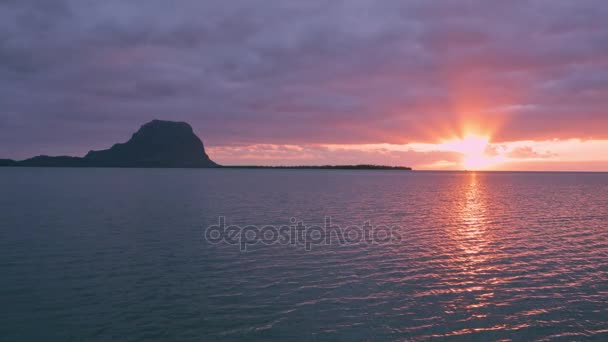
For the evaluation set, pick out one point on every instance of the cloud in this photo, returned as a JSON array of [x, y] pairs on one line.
[[78, 75], [571, 154], [527, 152], [269, 154]]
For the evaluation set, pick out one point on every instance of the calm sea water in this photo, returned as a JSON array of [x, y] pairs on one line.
[[120, 254]]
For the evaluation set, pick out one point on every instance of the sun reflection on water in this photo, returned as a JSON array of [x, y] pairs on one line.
[[473, 250], [471, 233]]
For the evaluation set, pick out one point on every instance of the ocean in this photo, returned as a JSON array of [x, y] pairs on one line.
[[308, 255]]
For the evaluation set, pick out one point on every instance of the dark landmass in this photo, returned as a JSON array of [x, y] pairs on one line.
[[162, 144], [156, 144], [323, 167], [47, 161], [7, 162]]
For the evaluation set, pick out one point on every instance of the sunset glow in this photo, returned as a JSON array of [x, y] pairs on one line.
[[473, 148], [432, 86], [567, 155]]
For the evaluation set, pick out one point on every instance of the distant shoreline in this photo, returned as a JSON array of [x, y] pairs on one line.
[[320, 167], [164, 144], [12, 164]]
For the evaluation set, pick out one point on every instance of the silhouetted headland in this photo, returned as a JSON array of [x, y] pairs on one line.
[[156, 144], [162, 144]]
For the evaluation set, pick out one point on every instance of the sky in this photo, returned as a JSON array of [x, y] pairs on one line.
[[496, 85]]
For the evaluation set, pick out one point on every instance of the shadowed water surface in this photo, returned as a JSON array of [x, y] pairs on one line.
[[119, 254]]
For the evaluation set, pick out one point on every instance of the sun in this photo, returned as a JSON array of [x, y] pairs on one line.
[[473, 148], [477, 162]]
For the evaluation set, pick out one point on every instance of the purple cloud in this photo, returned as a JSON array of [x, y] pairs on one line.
[[80, 75]]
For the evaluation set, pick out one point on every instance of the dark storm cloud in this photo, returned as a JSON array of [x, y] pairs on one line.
[[83, 74]]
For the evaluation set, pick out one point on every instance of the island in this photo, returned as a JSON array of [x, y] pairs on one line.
[[322, 167], [162, 144], [158, 144]]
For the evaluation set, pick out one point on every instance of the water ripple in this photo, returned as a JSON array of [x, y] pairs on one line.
[[110, 254]]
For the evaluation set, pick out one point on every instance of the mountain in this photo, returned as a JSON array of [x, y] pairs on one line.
[[162, 144], [156, 144]]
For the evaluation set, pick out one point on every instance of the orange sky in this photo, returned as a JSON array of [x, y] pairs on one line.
[[473, 153]]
